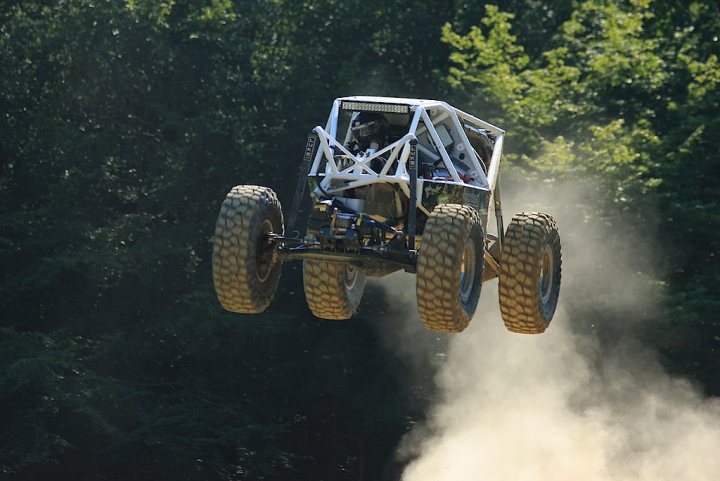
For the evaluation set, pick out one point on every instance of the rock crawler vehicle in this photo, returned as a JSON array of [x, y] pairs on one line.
[[416, 200]]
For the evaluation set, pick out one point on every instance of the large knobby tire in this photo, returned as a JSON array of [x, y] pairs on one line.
[[244, 273], [333, 290], [450, 268], [530, 268]]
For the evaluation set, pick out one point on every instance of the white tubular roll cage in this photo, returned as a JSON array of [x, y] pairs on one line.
[[432, 112]]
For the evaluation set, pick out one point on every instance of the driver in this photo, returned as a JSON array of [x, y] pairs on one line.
[[370, 131]]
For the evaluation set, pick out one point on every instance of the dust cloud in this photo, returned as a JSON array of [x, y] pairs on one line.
[[559, 406]]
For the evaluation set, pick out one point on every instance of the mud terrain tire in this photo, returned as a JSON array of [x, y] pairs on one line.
[[530, 268], [244, 273], [333, 290], [450, 268]]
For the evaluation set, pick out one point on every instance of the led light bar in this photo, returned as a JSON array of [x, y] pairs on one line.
[[376, 107]]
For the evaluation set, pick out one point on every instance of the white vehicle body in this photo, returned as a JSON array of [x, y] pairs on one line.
[[396, 184], [441, 132]]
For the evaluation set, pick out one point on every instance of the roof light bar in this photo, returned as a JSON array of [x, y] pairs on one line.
[[376, 107]]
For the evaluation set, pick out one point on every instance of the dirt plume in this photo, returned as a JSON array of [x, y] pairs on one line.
[[563, 405]]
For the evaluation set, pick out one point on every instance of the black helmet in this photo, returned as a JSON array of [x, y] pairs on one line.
[[368, 124]]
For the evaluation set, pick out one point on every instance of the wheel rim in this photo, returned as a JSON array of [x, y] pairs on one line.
[[467, 271], [351, 276], [263, 252], [546, 274]]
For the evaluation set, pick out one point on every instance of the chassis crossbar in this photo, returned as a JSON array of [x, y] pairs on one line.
[[404, 259]]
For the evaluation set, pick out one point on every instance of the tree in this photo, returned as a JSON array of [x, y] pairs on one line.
[[626, 95]]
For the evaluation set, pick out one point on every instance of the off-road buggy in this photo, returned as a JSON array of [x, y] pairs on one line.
[[416, 199]]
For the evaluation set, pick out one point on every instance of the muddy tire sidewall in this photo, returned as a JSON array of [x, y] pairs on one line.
[[530, 273], [450, 268], [245, 275]]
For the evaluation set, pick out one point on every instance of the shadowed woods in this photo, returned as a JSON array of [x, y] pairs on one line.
[[123, 125]]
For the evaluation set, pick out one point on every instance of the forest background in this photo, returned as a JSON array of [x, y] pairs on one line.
[[123, 125]]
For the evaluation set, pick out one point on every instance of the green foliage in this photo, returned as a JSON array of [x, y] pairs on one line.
[[626, 94], [595, 85], [123, 124]]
